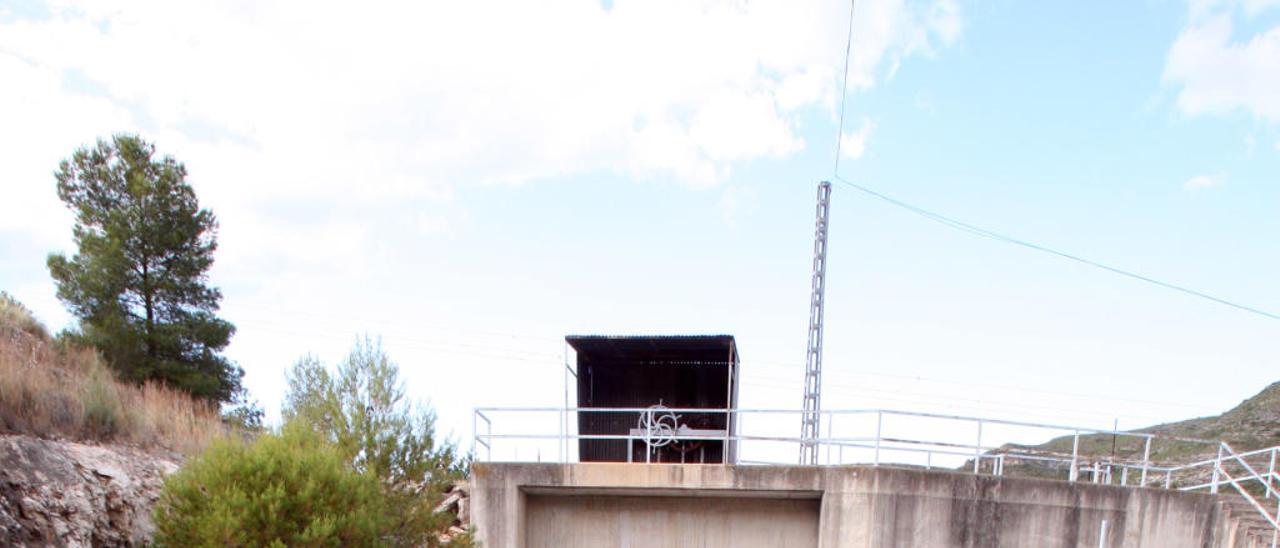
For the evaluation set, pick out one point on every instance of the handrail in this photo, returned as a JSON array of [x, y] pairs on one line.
[[1253, 474], [1256, 505], [1219, 470], [890, 443], [1098, 469], [866, 411]]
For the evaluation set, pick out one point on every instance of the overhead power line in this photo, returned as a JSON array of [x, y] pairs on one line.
[[979, 231], [844, 86]]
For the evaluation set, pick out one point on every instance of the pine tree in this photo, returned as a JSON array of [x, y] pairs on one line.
[[138, 283]]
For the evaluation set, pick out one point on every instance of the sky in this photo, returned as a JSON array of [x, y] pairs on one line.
[[471, 181]]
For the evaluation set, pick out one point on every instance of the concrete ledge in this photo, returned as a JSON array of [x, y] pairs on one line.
[[859, 506]]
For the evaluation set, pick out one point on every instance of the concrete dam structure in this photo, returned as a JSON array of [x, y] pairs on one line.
[[650, 450], [525, 505]]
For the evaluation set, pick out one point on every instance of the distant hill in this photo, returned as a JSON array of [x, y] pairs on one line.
[[1253, 424]]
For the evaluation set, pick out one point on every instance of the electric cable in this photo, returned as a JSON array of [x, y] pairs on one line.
[[979, 231]]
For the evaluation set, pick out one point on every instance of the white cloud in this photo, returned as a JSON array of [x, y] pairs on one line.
[[1277, 145], [1201, 182], [1218, 72], [854, 145], [302, 123], [403, 97]]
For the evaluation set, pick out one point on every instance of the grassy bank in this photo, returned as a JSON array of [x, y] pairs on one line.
[[51, 389]]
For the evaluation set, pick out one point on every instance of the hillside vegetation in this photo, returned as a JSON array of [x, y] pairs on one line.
[[56, 390], [1253, 424]]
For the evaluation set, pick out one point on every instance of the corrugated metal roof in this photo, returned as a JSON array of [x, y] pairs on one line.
[[671, 349]]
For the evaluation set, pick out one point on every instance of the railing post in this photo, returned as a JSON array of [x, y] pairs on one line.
[[830, 419], [977, 449], [728, 433], [475, 432], [1271, 473], [1075, 457], [1146, 461], [1275, 534], [879, 425], [1217, 469], [1168, 479]]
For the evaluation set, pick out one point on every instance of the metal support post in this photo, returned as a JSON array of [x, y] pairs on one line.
[[977, 449], [1217, 470], [830, 421], [1075, 458], [1271, 473], [1146, 460], [810, 429], [1275, 533], [563, 446], [730, 421], [879, 424]]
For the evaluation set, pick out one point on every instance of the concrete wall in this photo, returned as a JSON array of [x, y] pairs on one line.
[[637, 505], [591, 521]]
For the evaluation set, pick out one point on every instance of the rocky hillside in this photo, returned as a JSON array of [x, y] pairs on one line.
[[1253, 424], [83, 456], [61, 493]]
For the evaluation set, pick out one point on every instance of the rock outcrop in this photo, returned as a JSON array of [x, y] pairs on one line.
[[63, 493]]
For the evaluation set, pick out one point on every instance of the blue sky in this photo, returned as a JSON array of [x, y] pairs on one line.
[[472, 182]]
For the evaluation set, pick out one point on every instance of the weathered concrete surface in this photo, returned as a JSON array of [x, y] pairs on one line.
[[606, 520], [637, 505]]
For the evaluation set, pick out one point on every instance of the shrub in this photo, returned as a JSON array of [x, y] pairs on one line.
[[103, 413], [288, 489], [362, 409]]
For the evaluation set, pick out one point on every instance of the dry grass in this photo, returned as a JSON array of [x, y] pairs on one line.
[[52, 390]]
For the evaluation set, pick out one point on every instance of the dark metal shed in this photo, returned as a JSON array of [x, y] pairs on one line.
[[674, 371]]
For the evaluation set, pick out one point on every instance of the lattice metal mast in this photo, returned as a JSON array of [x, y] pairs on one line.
[[811, 419]]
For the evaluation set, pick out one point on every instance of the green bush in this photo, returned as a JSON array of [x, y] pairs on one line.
[[289, 489], [362, 408]]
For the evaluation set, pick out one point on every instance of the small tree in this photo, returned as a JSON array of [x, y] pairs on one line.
[[138, 282], [289, 489], [363, 411]]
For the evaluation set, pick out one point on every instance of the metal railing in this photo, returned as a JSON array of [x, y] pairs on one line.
[[928, 440], [1246, 480]]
